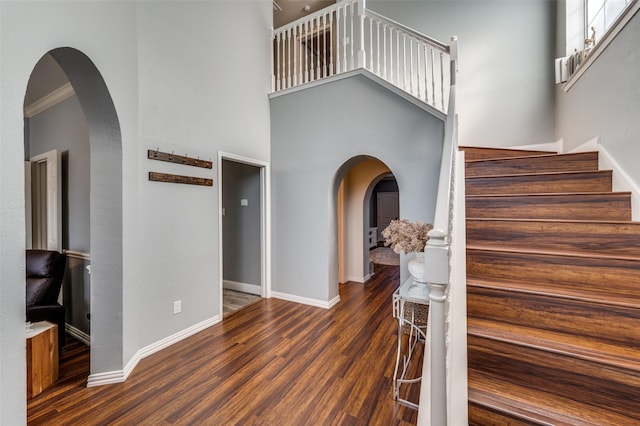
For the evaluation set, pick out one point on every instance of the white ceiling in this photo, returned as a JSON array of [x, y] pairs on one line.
[[295, 9]]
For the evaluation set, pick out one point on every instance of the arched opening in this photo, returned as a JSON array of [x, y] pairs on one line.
[[94, 226], [356, 181]]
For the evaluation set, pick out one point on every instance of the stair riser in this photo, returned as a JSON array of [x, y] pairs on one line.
[[615, 206], [584, 381], [537, 184], [582, 162], [480, 415], [616, 324], [601, 238], [580, 273], [471, 153]]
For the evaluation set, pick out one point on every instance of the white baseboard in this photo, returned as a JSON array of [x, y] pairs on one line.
[[621, 180], [80, 335], [358, 279], [243, 287], [306, 300], [120, 376]]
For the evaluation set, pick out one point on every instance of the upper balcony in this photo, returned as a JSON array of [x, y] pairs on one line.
[[347, 37]]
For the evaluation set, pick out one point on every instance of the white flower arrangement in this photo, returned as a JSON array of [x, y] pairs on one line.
[[406, 236]]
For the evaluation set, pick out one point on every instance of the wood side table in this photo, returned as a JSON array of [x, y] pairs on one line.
[[42, 357]]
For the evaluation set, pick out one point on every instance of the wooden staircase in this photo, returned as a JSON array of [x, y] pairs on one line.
[[553, 276]]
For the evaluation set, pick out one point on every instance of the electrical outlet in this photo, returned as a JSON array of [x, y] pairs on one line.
[[177, 307]]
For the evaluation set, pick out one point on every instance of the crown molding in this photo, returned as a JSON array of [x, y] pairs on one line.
[[60, 94]]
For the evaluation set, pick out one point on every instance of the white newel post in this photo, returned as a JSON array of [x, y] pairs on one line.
[[362, 57], [437, 276]]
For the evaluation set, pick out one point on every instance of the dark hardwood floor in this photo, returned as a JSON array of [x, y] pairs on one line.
[[272, 363]]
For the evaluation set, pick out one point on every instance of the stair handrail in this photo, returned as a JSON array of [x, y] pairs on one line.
[[435, 392]]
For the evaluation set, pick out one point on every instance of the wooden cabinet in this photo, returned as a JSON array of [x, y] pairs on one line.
[[42, 357]]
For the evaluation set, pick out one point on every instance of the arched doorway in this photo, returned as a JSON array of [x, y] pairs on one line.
[[355, 183], [105, 206]]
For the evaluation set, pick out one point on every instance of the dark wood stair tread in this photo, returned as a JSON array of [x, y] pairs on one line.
[[583, 161], [586, 206], [591, 349], [530, 183], [612, 238], [603, 297], [477, 153], [528, 249], [536, 407]]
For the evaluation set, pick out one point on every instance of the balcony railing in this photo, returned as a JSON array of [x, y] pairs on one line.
[[347, 36]]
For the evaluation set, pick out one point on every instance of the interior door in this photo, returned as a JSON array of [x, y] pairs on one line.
[[388, 207], [45, 226]]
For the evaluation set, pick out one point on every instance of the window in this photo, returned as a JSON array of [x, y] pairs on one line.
[[601, 14]]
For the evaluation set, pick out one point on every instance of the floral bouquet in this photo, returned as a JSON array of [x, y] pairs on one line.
[[406, 236]]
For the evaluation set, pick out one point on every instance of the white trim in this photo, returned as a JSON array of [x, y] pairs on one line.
[[361, 71], [611, 34], [78, 334], [305, 300], [60, 94], [359, 280], [621, 180], [119, 376], [77, 254], [243, 287], [265, 218]]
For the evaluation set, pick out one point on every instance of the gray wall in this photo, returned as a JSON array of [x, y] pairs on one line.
[[314, 132], [241, 228], [605, 102], [506, 51], [63, 127]]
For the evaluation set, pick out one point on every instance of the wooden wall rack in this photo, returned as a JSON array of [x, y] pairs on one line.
[[178, 159], [189, 180]]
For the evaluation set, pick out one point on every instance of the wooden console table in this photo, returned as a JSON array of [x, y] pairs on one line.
[[42, 357]]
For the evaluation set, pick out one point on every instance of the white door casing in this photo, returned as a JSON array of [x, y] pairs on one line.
[[53, 214]]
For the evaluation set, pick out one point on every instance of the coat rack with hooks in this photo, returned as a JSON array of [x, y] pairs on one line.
[[178, 159]]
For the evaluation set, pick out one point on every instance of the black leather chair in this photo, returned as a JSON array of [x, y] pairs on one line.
[[45, 271]]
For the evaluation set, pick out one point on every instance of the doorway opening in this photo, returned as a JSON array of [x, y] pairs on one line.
[[69, 112], [243, 232], [363, 179]]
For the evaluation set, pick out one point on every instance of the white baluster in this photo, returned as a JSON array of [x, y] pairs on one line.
[[371, 44], [433, 80], [330, 43], [378, 47], [338, 41], [289, 57], [318, 53], [351, 40], [411, 65], [294, 47], [419, 79], [426, 74], [398, 56], [278, 82], [343, 41], [391, 54], [384, 49], [442, 79], [404, 61]]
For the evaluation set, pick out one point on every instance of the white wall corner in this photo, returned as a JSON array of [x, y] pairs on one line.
[[621, 180], [306, 300]]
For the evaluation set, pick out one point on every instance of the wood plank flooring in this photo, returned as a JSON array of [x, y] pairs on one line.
[[272, 363], [235, 300]]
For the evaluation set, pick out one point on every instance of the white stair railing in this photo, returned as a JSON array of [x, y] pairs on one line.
[[347, 36]]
